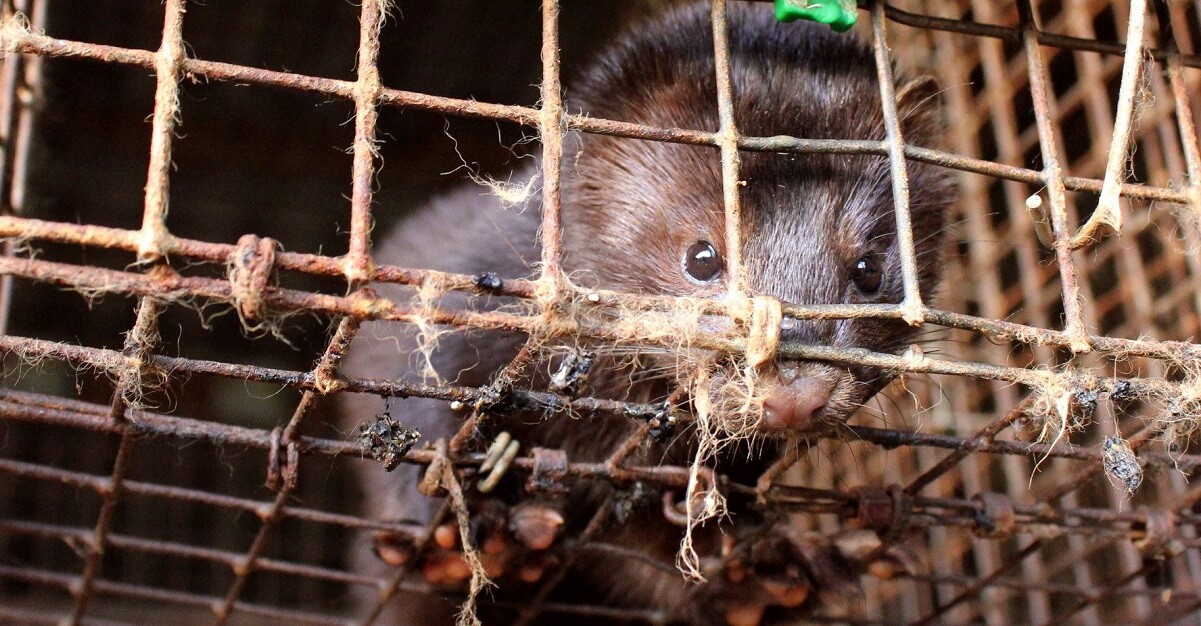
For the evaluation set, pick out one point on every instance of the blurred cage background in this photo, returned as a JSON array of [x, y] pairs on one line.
[[275, 162]]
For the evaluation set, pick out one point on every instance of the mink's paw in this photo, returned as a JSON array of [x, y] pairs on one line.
[[779, 568], [512, 543], [782, 572]]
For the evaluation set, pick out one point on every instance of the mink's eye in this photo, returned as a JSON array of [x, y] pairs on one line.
[[867, 275], [702, 263]]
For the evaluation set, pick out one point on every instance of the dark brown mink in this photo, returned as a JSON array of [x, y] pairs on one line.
[[647, 217]]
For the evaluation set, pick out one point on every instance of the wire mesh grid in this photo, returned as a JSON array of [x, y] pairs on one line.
[[1035, 331]]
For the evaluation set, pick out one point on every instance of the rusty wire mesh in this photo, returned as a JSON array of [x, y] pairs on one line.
[[1025, 85]]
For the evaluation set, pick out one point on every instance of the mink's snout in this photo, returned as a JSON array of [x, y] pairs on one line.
[[794, 405], [798, 396]]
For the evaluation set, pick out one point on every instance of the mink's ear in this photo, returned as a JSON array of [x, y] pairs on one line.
[[919, 106]]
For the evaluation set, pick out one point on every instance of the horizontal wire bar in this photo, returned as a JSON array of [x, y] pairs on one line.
[[26, 229], [35, 349], [31, 43], [166, 596], [26, 406], [365, 306]]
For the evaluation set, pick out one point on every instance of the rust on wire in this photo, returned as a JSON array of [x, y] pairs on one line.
[[367, 93], [168, 68], [288, 438], [551, 130], [142, 339]]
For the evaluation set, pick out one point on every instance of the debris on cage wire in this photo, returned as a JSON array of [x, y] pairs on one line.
[[663, 423], [572, 372], [489, 281], [386, 440], [1121, 464]]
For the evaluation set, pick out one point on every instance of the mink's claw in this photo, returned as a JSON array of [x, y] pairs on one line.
[[510, 541], [446, 536], [536, 565], [395, 549], [779, 573], [774, 573], [865, 548], [536, 526], [750, 614]]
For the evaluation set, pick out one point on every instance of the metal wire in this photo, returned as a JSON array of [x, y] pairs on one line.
[[943, 498]]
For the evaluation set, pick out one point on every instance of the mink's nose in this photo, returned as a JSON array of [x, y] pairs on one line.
[[795, 401]]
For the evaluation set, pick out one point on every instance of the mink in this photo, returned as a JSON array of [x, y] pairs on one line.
[[647, 217]]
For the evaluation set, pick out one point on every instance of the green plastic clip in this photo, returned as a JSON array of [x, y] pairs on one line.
[[838, 14]]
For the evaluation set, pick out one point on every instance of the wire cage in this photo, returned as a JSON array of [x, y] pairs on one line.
[[132, 468]]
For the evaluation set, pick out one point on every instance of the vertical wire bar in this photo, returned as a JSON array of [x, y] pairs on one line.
[[1108, 211], [31, 83], [1000, 81], [367, 91], [727, 138], [9, 98], [10, 104], [324, 369], [1053, 178], [737, 286], [1092, 74], [141, 341], [1192, 159], [1080, 570], [551, 125], [155, 239], [1184, 111], [912, 304], [21, 91], [1083, 572], [139, 345]]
